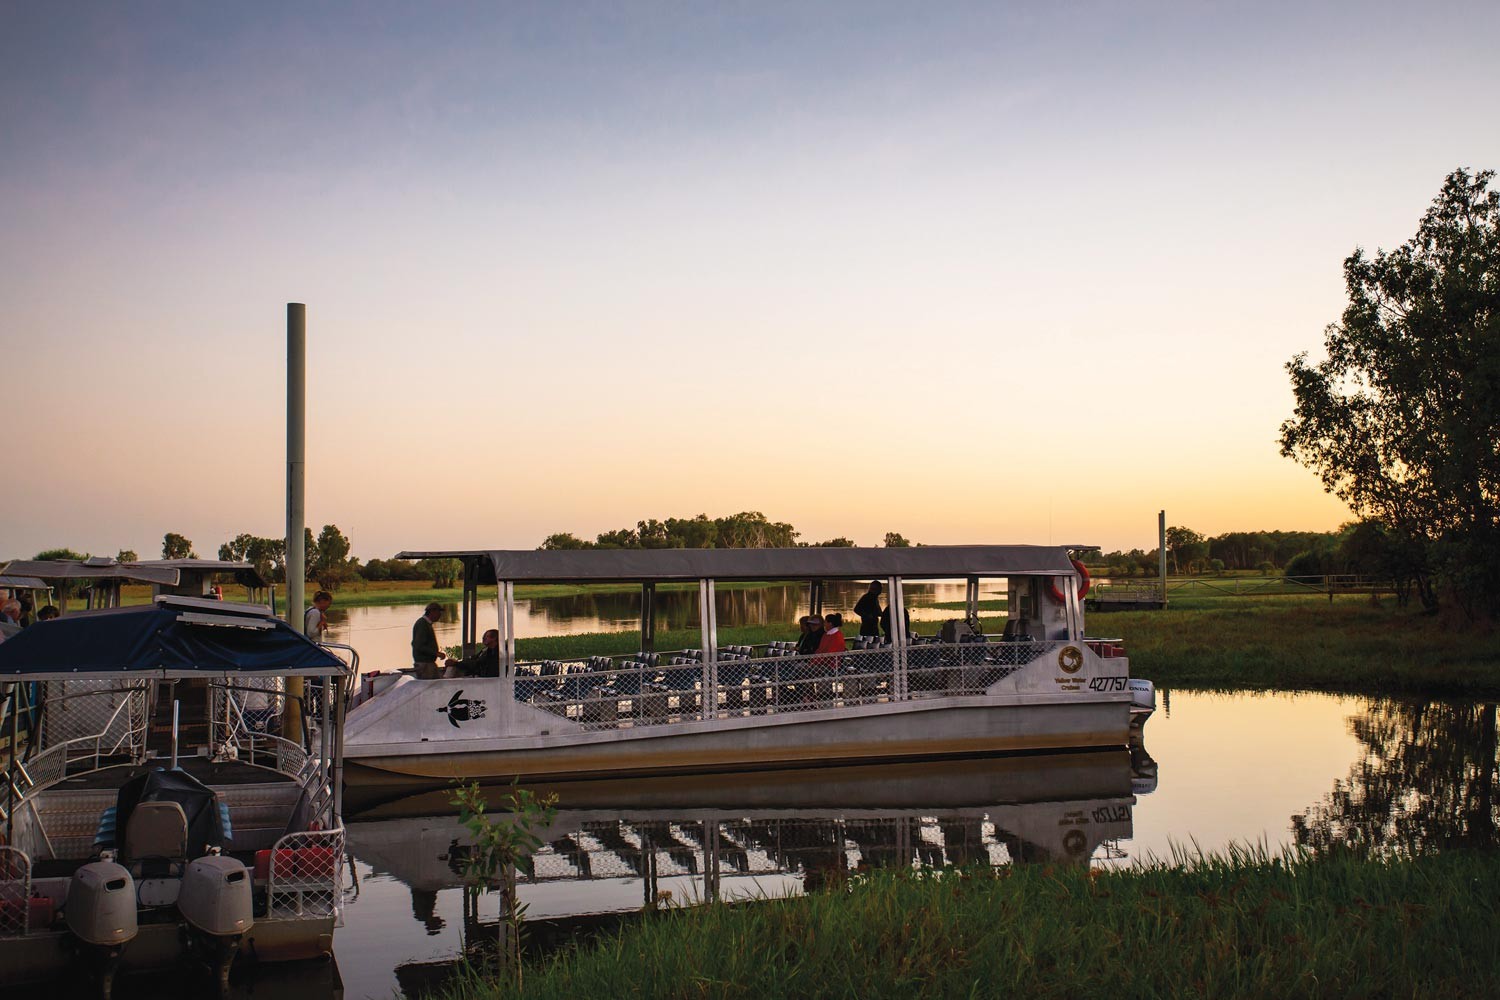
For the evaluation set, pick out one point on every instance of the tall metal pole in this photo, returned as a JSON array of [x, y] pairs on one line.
[[1161, 552], [296, 513]]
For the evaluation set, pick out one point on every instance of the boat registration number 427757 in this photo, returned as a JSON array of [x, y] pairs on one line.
[[1109, 683]]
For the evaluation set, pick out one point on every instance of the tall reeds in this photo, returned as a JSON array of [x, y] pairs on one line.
[[1240, 924]]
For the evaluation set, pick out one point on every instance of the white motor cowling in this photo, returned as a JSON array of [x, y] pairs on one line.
[[215, 903], [1142, 696], [216, 896], [100, 907]]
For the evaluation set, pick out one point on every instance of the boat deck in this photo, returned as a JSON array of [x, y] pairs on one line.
[[229, 772]]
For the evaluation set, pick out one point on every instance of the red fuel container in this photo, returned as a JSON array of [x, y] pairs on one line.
[[315, 862]]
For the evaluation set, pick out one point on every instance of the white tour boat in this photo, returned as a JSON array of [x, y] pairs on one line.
[[1041, 685]]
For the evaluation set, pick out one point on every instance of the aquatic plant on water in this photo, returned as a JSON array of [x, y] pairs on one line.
[[502, 847]]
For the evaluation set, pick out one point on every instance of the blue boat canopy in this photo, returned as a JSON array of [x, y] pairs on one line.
[[174, 637]]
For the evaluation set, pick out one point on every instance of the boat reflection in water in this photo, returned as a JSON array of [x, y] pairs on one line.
[[617, 846]]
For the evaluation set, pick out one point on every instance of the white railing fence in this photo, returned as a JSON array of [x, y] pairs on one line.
[[306, 875], [667, 688]]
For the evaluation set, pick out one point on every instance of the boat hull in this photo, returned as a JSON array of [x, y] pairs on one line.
[[47, 955], [916, 730]]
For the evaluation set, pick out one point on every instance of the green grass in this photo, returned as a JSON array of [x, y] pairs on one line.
[[1292, 643], [1236, 926]]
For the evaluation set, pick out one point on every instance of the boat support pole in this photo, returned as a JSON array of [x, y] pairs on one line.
[[10, 775], [341, 694], [325, 744], [705, 638], [896, 602], [176, 705], [505, 591], [296, 500]]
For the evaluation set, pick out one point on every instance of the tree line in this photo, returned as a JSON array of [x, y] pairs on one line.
[[1363, 548], [745, 530]]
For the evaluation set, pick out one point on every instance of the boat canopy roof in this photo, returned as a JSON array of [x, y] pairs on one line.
[[164, 572], [810, 563], [174, 637], [22, 582]]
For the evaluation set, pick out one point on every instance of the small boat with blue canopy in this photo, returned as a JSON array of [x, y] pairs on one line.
[[168, 798]]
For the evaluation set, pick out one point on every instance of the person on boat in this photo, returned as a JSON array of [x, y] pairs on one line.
[[315, 622], [48, 612], [485, 663], [833, 640], [10, 617], [885, 622], [812, 635], [868, 609], [424, 645]]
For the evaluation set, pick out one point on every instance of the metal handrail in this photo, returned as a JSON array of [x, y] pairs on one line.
[[61, 749], [130, 689], [855, 676]]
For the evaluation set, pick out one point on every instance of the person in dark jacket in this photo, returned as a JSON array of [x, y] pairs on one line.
[[424, 645], [812, 635], [868, 609], [885, 622], [485, 663]]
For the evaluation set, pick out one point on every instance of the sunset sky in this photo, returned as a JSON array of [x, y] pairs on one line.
[[973, 273]]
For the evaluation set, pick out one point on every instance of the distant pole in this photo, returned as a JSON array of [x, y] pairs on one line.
[[296, 513], [1161, 552]]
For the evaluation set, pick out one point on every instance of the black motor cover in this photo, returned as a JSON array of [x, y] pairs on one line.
[[199, 803]]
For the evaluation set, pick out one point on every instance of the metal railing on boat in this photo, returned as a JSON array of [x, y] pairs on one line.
[[666, 688]]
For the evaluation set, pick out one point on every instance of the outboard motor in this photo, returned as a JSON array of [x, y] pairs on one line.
[[100, 912], [216, 904], [1142, 700]]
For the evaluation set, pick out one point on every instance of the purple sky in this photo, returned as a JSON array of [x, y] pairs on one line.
[[969, 273]]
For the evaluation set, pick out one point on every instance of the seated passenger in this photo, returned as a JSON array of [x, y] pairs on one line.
[[485, 663], [812, 635], [833, 637]]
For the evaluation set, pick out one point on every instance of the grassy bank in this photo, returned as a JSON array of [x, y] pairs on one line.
[[1242, 926], [1308, 644]]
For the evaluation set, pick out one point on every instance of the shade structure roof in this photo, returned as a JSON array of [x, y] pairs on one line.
[[22, 582], [167, 639], [164, 572], [811, 563]]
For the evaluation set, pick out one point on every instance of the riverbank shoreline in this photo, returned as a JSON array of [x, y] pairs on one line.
[[1242, 924]]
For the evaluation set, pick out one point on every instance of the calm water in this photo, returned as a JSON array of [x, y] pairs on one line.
[[382, 635], [1272, 769]]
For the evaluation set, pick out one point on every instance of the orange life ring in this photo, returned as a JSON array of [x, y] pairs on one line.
[[1083, 586]]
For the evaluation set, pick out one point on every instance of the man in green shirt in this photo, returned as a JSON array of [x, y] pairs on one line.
[[424, 645]]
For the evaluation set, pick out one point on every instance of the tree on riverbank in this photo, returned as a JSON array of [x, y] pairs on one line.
[[1401, 420], [175, 546], [745, 530]]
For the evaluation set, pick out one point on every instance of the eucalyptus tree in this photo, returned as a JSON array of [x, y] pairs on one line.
[[1401, 419]]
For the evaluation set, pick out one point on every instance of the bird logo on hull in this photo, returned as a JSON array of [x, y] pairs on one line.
[[460, 709]]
